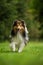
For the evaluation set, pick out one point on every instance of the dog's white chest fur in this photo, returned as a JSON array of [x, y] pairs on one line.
[[18, 38]]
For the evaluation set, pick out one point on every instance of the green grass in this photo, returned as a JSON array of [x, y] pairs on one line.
[[32, 54]]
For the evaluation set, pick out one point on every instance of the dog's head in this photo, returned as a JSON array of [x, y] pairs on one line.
[[18, 26]]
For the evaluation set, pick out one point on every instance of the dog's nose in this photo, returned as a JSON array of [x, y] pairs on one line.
[[18, 29]]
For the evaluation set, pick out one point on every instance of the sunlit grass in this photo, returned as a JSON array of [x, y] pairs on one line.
[[32, 54]]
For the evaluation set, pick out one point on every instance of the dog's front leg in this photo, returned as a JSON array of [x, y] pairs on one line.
[[21, 47], [12, 46]]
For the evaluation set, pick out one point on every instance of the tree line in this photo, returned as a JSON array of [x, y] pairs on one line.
[[31, 11]]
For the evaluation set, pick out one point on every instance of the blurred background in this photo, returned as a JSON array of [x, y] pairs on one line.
[[31, 11]]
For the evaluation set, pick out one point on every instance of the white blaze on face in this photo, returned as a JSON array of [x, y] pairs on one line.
[[19, 27]]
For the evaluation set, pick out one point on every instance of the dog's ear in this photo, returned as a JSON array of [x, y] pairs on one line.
[[23, 23], [25, 26], [14, 23]]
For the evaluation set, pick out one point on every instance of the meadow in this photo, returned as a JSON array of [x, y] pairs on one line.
[[32, 54]]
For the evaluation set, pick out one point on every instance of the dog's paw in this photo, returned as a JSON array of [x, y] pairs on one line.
[[19, 51]]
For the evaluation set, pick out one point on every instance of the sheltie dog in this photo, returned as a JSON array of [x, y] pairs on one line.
[[19, 35]]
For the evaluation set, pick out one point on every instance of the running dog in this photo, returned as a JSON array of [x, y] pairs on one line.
[[19, 35]]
